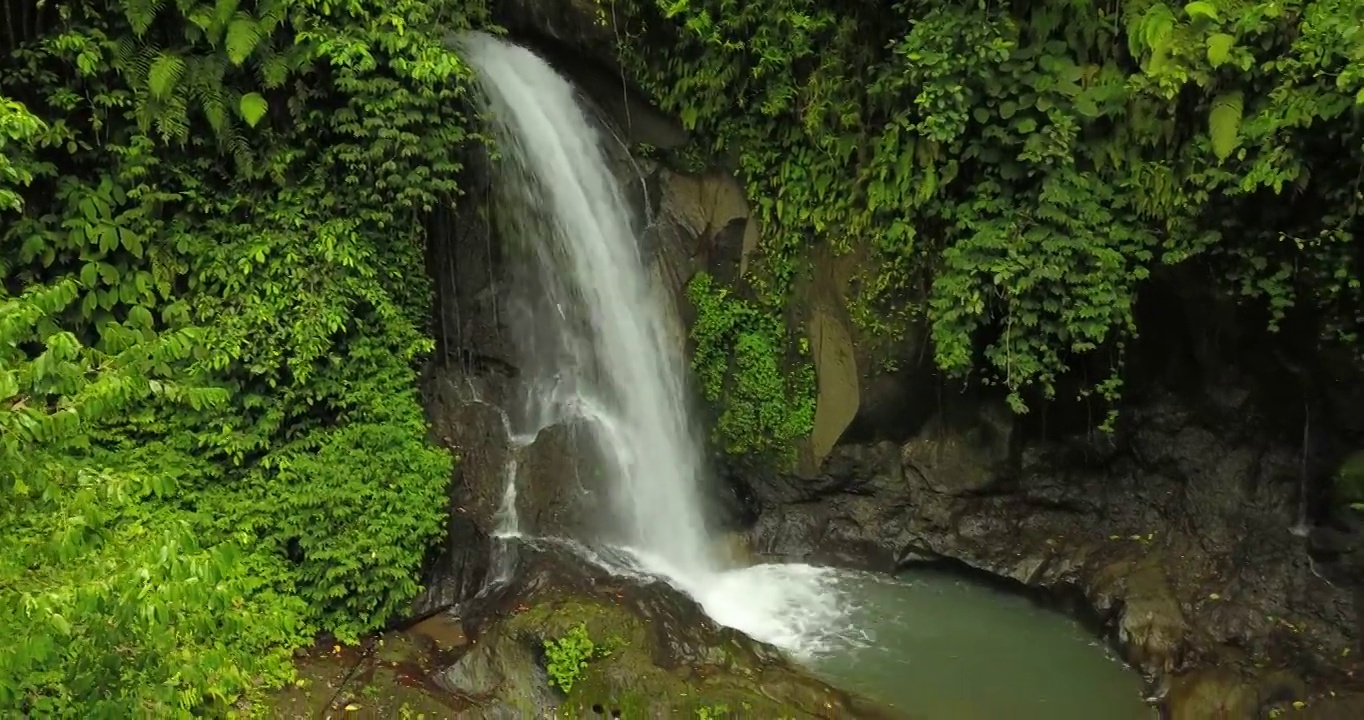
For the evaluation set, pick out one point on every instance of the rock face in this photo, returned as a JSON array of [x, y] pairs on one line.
[[562, 492], [1179, 534]]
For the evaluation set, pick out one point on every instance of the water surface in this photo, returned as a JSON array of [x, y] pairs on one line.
[[939, 647]]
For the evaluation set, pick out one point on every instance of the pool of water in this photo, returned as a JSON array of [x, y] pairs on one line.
[[939, 647]]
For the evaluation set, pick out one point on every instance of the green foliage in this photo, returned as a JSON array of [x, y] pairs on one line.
[[213, 302], [569, 656], [1348, 486], [712, 712], [739, 358], [1012, 174], [113, 603]]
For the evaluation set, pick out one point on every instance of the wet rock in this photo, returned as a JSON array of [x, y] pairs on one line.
[[474, 433], [1228, 693], [665, 657], [502, 676], [443, 631], [1150, 625], [1212, 694], [966, 459], [561, 488]]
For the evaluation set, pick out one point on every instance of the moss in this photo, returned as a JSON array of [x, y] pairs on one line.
[[558, 618], [630, 680]]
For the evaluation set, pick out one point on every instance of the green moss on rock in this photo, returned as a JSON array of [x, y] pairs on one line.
[[664, 657]]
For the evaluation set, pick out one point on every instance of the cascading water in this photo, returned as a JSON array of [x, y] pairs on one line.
[[595, 345]]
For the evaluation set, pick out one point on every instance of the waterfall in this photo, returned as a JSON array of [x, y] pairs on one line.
[[593, 339]]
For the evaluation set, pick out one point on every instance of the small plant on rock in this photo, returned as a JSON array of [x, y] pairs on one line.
[[712, 712], [568, 656]]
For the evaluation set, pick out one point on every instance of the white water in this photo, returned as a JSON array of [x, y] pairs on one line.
[[595, 342]]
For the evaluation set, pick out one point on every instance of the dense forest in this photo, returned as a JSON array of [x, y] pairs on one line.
[[1010, 175], [214, 307]]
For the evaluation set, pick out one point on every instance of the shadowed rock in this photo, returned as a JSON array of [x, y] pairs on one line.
[[1178, 537]]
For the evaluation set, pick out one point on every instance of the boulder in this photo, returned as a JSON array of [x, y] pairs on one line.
[[658, 655], [561, 489]]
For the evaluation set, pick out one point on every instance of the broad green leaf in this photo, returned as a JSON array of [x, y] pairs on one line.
[[1085, 105], [108, 237], [131, 241], [252, 107], [1201, 9], [1219, 48], [140, 316]]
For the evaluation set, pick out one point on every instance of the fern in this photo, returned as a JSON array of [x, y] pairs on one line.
[[141, 14], [243, 35], [164, 74], [225, 9], [1224, 123]]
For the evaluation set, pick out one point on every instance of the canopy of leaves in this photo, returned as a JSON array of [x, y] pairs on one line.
[[212, 306], [1015, 171]]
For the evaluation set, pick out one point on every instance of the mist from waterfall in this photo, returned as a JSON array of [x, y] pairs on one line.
[[593, 332]]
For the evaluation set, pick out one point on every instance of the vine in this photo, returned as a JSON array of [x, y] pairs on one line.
[[1013, 173], [739, 358]]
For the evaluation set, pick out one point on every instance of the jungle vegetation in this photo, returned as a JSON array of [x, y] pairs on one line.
[[214, 307]]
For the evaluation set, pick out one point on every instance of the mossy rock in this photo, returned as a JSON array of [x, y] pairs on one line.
[[664, 657]]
